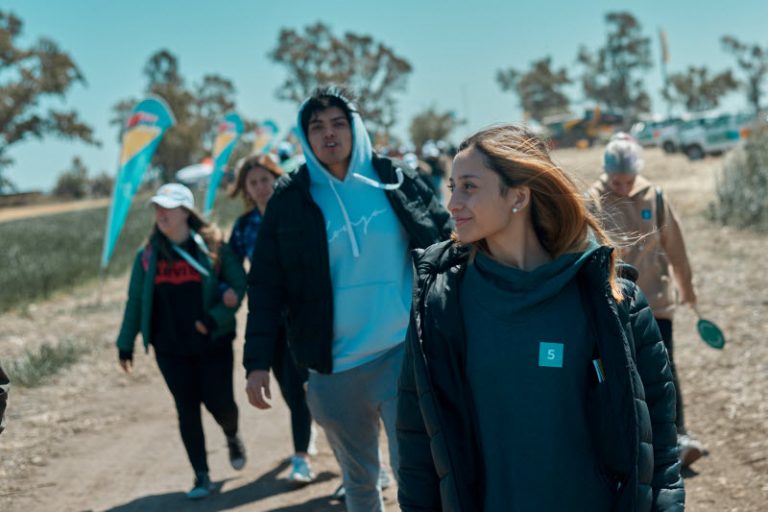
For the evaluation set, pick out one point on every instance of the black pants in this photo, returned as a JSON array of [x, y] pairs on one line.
[[196, 380], [291, 379], [665, 327]]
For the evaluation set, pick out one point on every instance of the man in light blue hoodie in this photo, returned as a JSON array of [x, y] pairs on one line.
[[333, 254]]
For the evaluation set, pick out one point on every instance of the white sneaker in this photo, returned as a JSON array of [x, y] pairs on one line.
[[301, 473], [690, 448], [384, 482]]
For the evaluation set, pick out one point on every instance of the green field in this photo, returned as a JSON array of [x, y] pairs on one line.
[[41, 255]]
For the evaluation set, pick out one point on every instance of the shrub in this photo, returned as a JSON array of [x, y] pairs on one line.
[[101, 185], [72, 183], [35, 367], [742, 186]]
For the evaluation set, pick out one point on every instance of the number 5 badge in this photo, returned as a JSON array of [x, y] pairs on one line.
[[551, 355]]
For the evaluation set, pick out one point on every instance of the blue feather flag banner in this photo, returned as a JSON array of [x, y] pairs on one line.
[[142, 133], [227, 134]]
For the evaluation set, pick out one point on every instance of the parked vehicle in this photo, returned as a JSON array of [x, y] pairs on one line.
[[568, 131], [712, 135], [658, 132]]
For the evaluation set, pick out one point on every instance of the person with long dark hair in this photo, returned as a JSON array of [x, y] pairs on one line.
[[535, 377], [254, 183], [175, 302]]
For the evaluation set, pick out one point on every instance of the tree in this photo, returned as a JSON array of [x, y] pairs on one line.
[[433, 125], [373, 71], [613, 76], [101, 185], [73, 182], [31, 76], [214, 97], [753, 62], [539, 89], [697, 91], [196, 109]]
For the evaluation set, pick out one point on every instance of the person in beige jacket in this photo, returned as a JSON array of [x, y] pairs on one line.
[[646, 227]]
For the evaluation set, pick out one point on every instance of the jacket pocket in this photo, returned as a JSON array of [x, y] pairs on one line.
[[606, 434]]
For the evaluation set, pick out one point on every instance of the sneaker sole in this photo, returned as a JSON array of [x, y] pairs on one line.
[[300, 480], [199, 495], [691, 456]]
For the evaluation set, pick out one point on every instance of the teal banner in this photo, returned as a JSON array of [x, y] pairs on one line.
[[227, 134], [266, 135], [143, 130]]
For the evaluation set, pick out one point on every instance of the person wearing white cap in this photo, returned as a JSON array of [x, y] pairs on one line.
[[636, 210], [175, 302]]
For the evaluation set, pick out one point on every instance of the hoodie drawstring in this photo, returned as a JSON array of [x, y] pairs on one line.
[[382, 186], [370, 183], [350, 231]]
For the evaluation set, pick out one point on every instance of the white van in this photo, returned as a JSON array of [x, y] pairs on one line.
[[712, 135], [658, 132]]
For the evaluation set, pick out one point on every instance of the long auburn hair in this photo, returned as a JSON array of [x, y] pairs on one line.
[[561, 220], [259, 161]]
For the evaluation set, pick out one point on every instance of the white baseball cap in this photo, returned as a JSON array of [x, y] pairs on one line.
[[173, 195]]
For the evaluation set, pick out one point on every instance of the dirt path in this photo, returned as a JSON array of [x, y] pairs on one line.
[[94, 439], [38, 210]]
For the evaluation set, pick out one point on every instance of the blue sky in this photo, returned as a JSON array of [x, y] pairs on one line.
[[455, 49]]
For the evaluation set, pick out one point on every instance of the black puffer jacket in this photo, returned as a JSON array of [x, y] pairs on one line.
[[4, 386], [290, 272], [632, 415]]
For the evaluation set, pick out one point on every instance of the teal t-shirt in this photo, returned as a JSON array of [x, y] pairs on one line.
[[528, 365]]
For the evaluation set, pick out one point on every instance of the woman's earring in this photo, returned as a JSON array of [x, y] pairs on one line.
[[515, 209]]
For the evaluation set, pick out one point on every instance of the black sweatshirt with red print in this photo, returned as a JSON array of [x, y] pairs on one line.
[[177, 304]]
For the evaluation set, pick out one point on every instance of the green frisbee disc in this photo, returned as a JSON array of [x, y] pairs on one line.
[[710, 334]]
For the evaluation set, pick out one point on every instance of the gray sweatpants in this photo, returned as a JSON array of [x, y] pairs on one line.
[[348, 405]]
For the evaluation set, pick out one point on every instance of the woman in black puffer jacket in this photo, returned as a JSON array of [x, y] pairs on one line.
[[535, 377]]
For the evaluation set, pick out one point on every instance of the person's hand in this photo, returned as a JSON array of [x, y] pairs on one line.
[[201, 328], [229, 298], [126, 365], [688, 298], [257, 388]]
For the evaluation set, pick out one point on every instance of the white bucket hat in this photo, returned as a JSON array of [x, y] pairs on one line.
[[173, 195]]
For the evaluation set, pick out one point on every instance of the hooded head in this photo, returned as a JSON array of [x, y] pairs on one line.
[[333, 135], [622, 162], [622, 155]]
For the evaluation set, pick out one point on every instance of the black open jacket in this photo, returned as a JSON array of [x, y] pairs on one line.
[[632, 414], [290, 272], [4, 386]]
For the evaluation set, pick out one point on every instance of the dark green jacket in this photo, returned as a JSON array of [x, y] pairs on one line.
[[138, 309], [631, 415]]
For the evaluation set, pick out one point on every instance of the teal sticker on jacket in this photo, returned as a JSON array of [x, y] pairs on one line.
[[646, 214], [551, 355]]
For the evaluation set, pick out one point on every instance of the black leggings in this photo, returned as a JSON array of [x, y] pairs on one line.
[[195, 380], [291, 379], [665, 327]]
